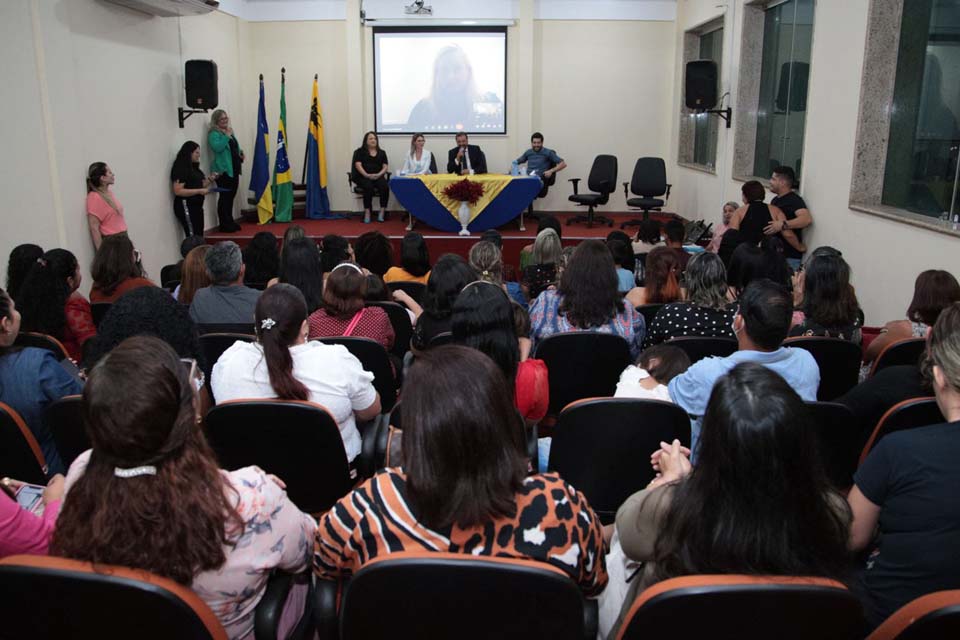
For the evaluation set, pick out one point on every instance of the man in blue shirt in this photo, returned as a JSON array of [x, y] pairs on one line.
[[761, 325], [540, 160]]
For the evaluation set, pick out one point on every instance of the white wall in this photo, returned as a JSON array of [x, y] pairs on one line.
[[885, 255]]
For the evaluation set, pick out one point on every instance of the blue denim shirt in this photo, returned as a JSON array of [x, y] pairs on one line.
[[539, 161], [30, 380]]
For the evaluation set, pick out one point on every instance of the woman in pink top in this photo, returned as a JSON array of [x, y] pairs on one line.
[[22, 531], [104, 211]]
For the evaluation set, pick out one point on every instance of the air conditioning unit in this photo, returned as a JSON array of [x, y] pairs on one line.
[[170, 8]]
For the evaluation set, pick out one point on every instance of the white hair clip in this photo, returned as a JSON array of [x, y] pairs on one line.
[[268, 323], [145, 470]]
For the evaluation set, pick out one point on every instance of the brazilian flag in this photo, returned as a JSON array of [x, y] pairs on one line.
[[282, 183]]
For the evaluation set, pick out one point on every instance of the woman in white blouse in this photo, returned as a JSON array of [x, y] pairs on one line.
[[419, 161]]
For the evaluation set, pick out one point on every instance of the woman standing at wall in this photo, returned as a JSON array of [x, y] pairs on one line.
[[104, 211], [227, 158]]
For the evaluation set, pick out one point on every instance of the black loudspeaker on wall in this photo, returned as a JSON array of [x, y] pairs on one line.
[[200, 77], [701, 84]]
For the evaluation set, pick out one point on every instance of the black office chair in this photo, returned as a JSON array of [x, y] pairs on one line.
[[213, 345], [358, 192], [226, 327], [98, 310], [373, 357], [837, 438], [909, 414], [649, 181], [649, 312], [931, 617], [41, 341], [907, 351], [66, 424], [170, 274], [582, 364], [839, 362], [699, 347], [603, 182], [598, 441], [400, 321], [413, 289], [20, 454]]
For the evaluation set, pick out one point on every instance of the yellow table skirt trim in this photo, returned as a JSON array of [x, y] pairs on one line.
[[493, 184]]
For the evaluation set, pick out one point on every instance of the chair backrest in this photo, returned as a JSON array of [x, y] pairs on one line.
[[374, 359], [931, 617], [839, 362], [909, 414], [296, 440], [582, 364], [66, 423], [649, 312], [227, 327], [697, 347], [49, 598], [413, 289], [603, 175], [838, 434], [99, 310], [477, 597], [649, 177], [746, 608], [20, 454], [906, 351], [602, 446], [214, 344], [41, 341], [400, 321], [168, 273]]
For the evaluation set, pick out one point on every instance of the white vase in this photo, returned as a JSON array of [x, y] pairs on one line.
[[464, 214]]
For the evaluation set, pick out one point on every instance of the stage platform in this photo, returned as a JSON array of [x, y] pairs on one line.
[[439, 242]]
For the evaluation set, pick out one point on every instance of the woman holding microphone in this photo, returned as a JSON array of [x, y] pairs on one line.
[[227, 158]]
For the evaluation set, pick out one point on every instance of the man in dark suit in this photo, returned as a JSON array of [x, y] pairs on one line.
[[466, 158]]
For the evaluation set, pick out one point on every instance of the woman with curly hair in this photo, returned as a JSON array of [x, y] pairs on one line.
[[262, 260], [587, 300], [149, 494], [51, 304], [661, 280], [116, 269]]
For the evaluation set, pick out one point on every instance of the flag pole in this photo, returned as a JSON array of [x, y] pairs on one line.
[[306, 147]]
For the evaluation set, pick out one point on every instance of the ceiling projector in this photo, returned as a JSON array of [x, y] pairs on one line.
[[417, 9]]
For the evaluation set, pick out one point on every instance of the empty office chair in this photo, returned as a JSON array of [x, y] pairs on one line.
[[374, 359], [931, 617], [649, 181], [839, 362], [49, 598], [600, 446], [99, 310], [400, 321], [909, 414], [296, 440], [745, 608], [582, 364], [906, 351], [414, 289], [65, 418], [41, 341], [213, 345], [20, 454], [837, 434], [447, 594], [649, 312], [602, 182], [699, 347]]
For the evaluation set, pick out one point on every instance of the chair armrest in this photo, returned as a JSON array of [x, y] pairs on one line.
[[266, 617], [667, 197], [576, 183], [591, 618], [626, 189], [326, 595]]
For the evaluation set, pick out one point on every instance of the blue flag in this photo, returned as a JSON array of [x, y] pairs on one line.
[[318, 204], [260, 176]]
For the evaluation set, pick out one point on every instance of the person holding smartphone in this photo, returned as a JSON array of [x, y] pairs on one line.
[[189, 188], [27, 515]]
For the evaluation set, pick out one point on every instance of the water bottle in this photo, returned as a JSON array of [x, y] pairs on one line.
[[514, 168]]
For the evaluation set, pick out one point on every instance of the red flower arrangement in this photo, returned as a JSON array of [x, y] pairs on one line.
[[464, 191]]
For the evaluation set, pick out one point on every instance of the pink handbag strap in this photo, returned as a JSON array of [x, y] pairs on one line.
[[353, 323]]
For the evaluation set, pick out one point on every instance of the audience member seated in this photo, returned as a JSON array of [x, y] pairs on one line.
[[587, 300], [22, 259], [146, 311], [261, 259], [226, 300], [545, 222], [293, 232], [753, 217], [483, 318], [377, 291], [282, 364], [23, 531], [757, 501], [374, 252], [300, 266], [933, 290], [51, 304], [825, 298], [193, 275], [334, 250], [189, 244], [486, 260], [463, 486], [654, 370], [707, 310], [342, 312], [146, 495], [31, 380], [676, 233], [661, 281], [749, 263], [541, 271], [647, 238], [761, 325], [418, 161], [720, 229], [904, 495], [623, 258], [414, 261], [448, 278], [116, 269]]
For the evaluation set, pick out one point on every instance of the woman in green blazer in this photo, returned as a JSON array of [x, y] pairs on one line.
[[227, 160]]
